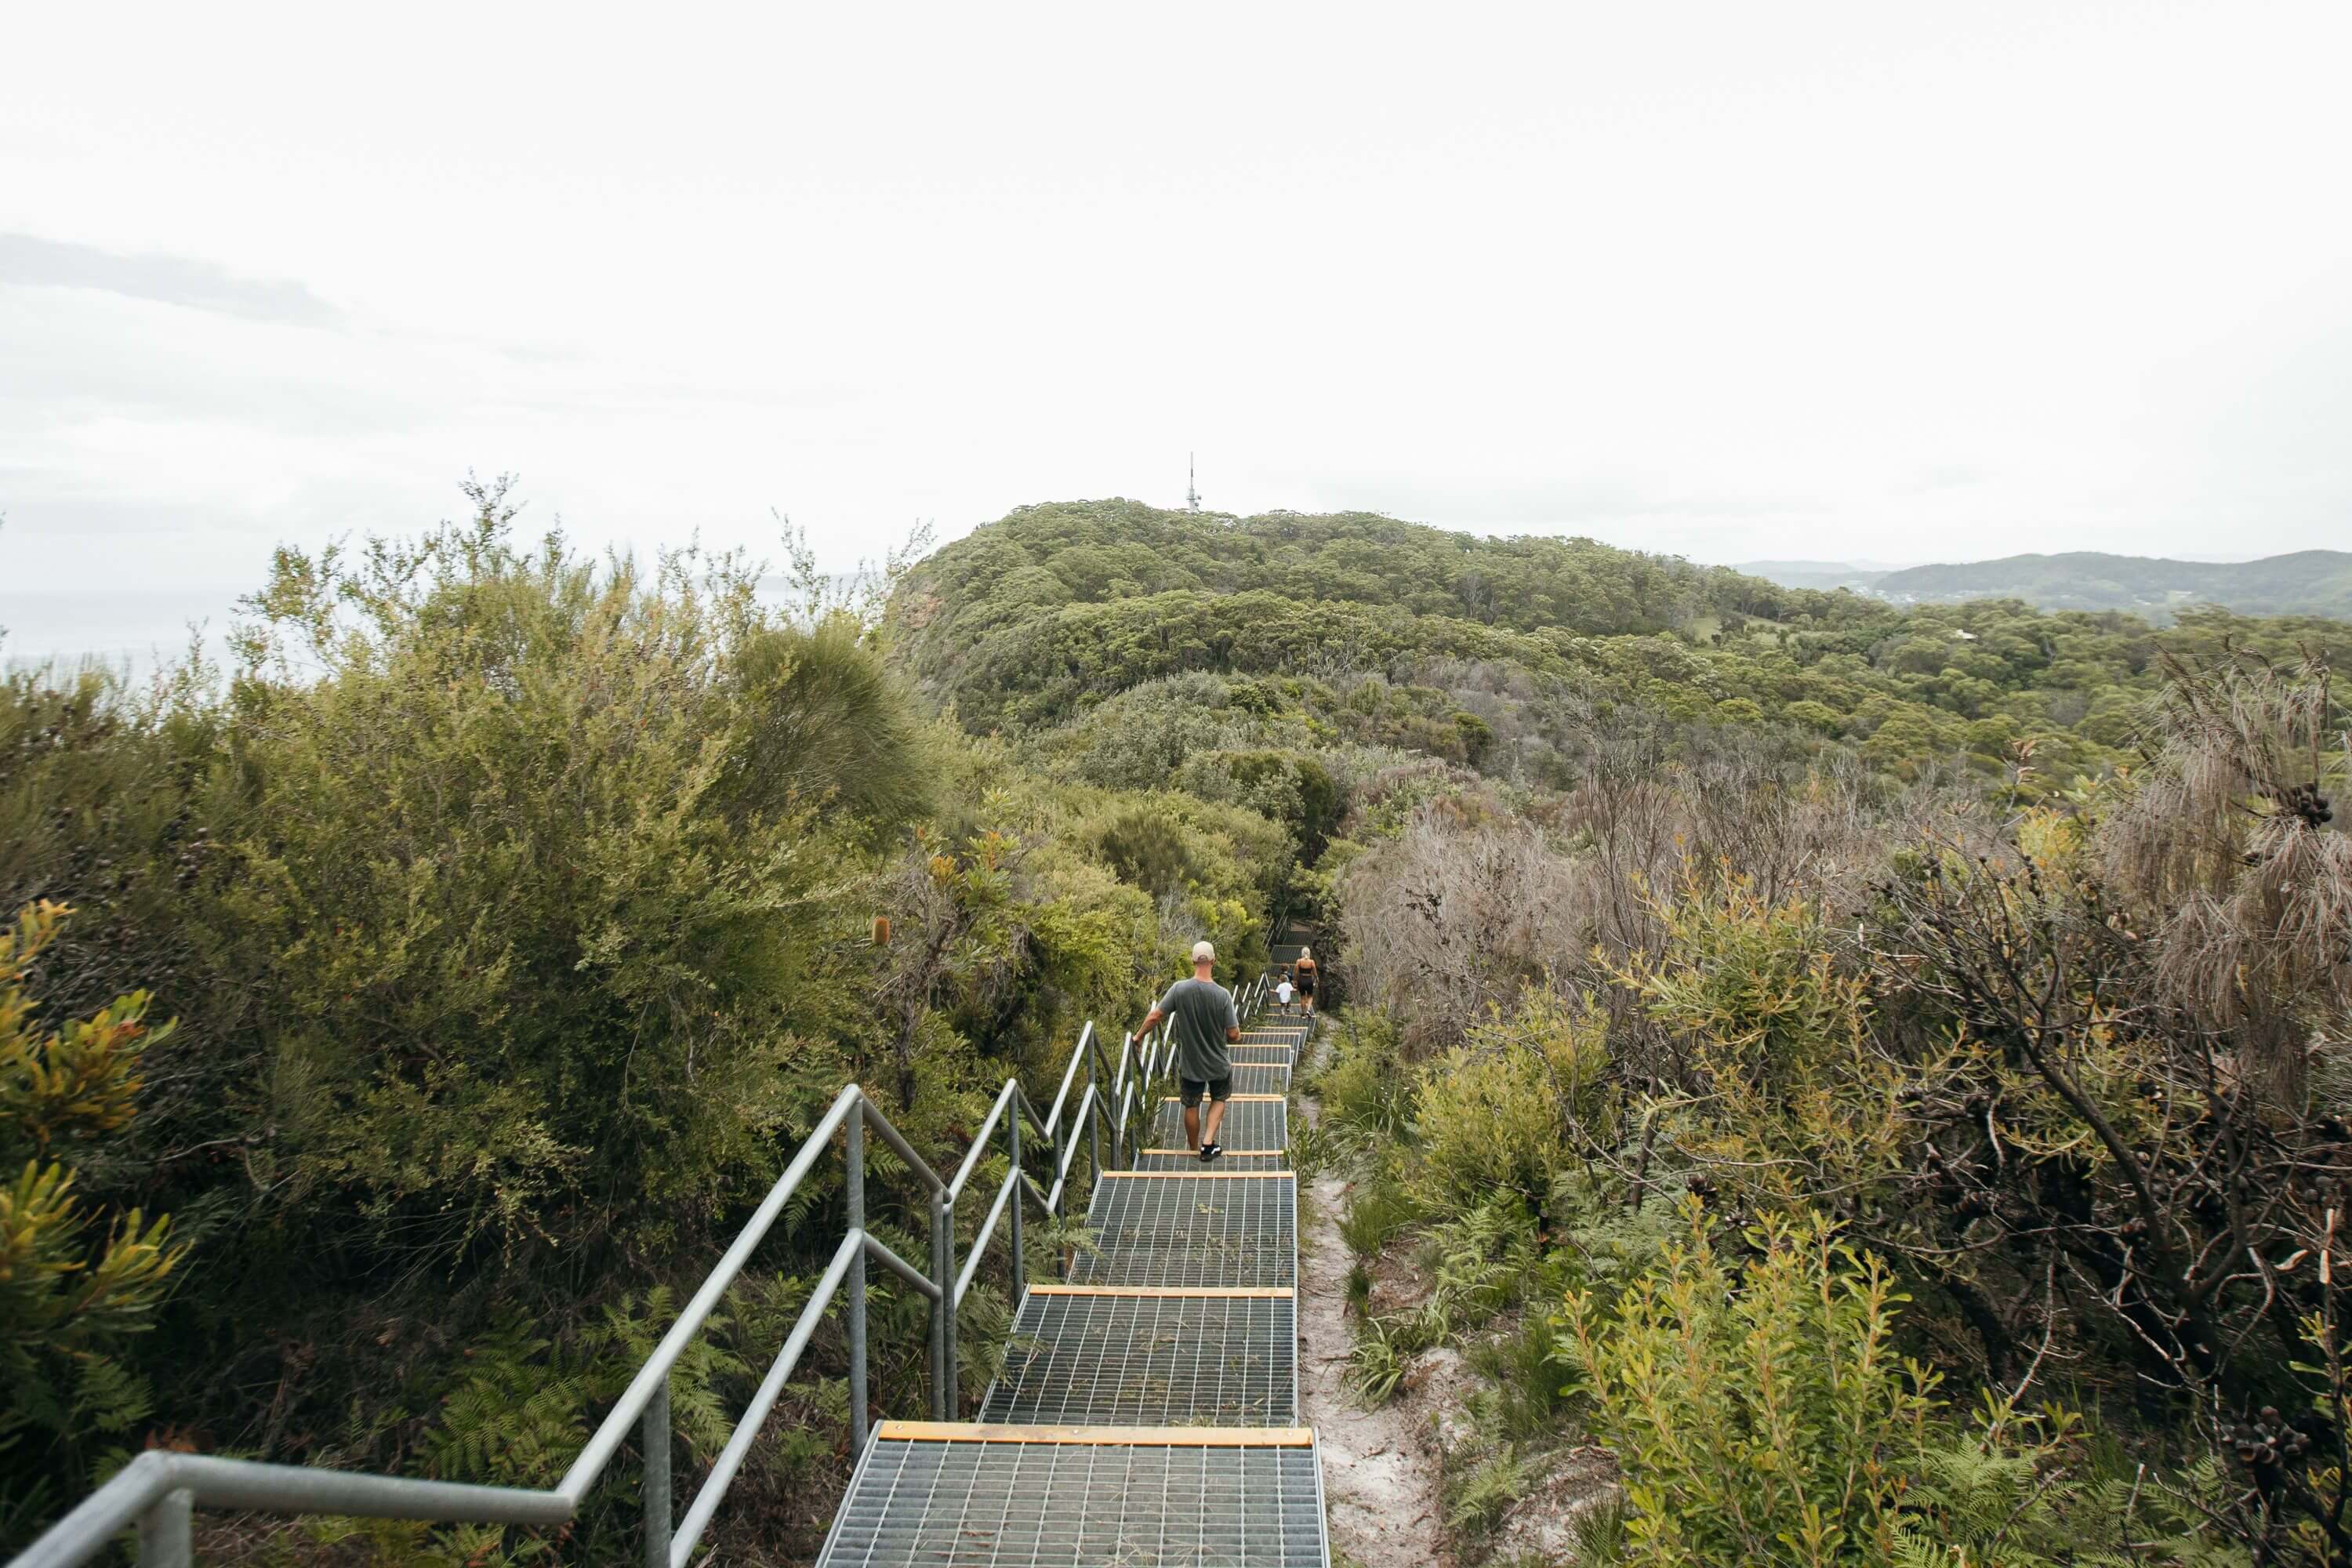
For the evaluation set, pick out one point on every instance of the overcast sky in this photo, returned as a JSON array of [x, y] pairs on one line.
[[1896, 281]]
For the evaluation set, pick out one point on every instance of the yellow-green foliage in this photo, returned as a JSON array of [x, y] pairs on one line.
[[76, 1082], [1367, 1091], [1762, 1414], [1498, 1112], [70, 1291], [1486, 1122], [519, 906], [1758, 1418], [1796, 1098]]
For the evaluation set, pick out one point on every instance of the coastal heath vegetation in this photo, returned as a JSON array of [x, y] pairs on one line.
[[1903, 1045], [515, 909]]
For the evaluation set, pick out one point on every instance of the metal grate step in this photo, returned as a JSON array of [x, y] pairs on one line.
[[1150, 1359], [1158, 1499], [1233, 1159], [1185, 1229], [1249, 1124], [1253, 1078]]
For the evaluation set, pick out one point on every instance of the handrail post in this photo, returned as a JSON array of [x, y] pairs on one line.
[[1059, 1207], [167, 1531], [1094, 1114], [950, 1396], [653, 1428], [1020, 1258], [941, 1308], [1119, 1108], [854, 1150]]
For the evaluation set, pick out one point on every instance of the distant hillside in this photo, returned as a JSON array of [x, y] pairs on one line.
[[2308, 583], [1860, 576], [1128, 645]]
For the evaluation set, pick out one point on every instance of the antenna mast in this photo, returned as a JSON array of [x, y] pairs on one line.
[[1191, 484]]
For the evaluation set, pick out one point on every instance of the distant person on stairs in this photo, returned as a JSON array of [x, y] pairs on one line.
[[1304, 969], [1206, 1023], [1282, 993]]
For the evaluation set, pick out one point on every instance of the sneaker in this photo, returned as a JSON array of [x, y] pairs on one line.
[[1210, 1152]]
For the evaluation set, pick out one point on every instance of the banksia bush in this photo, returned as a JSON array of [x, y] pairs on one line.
[[72, 1284]]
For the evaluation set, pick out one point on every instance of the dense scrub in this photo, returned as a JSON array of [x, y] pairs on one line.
[[1504, 653], [516, 910], [1985, 1167], [1902, 1045]]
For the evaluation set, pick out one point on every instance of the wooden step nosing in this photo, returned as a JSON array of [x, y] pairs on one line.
[[1272, 1292], [1210, 1175], [1228, 1154], [1106, 1437]]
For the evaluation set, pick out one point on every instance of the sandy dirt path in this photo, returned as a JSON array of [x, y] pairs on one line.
[[1380, 1482]]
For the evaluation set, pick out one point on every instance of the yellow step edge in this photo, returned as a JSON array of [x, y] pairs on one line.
[[1127, 1436], [1196, 1175], [1278, 1292], [1276, 1099], [1228, 1154]]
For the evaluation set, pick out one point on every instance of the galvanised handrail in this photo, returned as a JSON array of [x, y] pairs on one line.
[[159, 1490]]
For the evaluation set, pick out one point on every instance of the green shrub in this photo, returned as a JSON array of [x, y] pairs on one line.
[[1366, 1090], [1478, 1497], [1482, 1261], [1377, 1360], [1762, 1415], [1526, 1397], [518, 892], [1776, 1033], [73, 1290], [1380, 1208], [1507, 1110], [1487, 1123]]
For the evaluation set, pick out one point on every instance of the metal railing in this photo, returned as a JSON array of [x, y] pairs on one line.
[[158, 1491]]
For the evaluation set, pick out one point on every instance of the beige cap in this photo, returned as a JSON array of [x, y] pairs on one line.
[[1204, 952]]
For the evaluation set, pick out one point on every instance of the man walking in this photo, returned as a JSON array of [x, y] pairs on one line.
[[1206, 1023]]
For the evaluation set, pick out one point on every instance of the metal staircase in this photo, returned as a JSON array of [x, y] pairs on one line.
[[1145, 1412], [1148, 1412]]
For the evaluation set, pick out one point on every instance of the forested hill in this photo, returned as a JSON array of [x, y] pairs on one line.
[[1060, 601], [1485, 650], [1073, 552]]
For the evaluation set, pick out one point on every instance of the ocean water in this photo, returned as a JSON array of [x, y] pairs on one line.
[[133, 631], [137, 632]]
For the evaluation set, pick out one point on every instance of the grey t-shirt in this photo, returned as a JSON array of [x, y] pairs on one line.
[[1203, 1011]]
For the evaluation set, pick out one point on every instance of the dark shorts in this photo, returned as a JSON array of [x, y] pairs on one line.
[[1219, 1088]]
